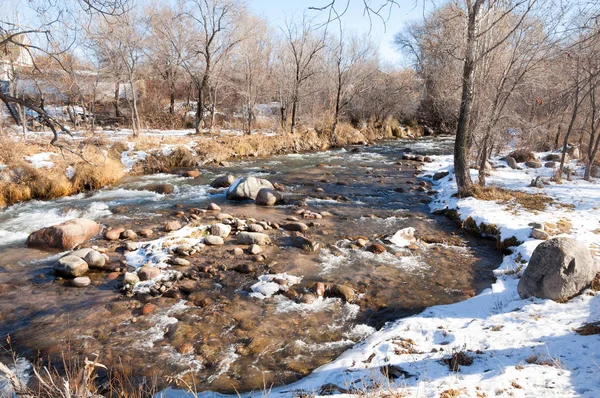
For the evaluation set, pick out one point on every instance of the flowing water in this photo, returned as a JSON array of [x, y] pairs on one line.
[[220, 337]]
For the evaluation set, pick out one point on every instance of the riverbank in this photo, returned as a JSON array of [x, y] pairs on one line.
[[495, 343], [31, 168]]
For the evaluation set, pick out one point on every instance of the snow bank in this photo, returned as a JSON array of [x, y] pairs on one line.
[[41, 159]]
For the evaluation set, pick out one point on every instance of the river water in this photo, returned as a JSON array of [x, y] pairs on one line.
[[221, 337]]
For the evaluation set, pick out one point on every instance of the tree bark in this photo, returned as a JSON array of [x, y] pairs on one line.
[[461, 146]]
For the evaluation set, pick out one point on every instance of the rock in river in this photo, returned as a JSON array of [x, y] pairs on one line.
[[213, 240], [147, 273], [560, 268], [81, 281], [221, 230], [223, 181], [247, 188], [249, 238], [95, 259], [268, 197], [71, 266], [66, 235]]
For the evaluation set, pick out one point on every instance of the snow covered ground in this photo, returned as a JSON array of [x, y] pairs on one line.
[[522, 348]]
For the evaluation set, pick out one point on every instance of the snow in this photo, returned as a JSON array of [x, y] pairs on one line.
[[400, 237], [523, 348], [269, 284], [41, 159], [130, 157], [70, 172]]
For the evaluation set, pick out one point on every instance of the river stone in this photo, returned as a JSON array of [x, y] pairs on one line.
[[249, 238], [223, 181], [172, 226], [192, 173], [113, 233], [512, 163], [246, 268], [376, 248], [213, 207], [550, 165], [268, 197], [130, 246], [560, 268], [221, 230], [146, 232], [179, 262], [255, 249], [95, 259], [295, 227], [522, 155], [247, 188], [64, 236], [81, 253], [237, 251], [302, 242], [147, 273], [81, 281], [213, 240], [162, 189], [183, 249], [344, 292], [255, 228], [71, 266], [130, 278], [553, 157]]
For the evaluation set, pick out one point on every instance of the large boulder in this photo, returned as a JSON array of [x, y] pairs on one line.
[[560, 268], [64, 236], [268, 197], [162, 189], [223, 181], [247, 188], [512, 163], [522, 155]]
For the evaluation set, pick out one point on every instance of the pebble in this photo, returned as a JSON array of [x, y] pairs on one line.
[[128, 234], [255, 249], [81, 281], [213, 207], [148, 308]]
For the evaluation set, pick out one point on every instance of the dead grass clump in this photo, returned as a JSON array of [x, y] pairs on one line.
[[161, 163], [95, 176], [117, 149], [451, 393], [589, 329], [182, 157], [596, 283], [531, 202], [457, 360]]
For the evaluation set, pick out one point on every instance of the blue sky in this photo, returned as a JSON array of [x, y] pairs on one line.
[[276, 12]]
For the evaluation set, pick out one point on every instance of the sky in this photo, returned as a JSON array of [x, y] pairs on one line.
[[277, 11]]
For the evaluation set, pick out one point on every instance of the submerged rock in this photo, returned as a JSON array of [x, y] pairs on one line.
[[191, 174], [64, 236], [162, 189], [346, 293], [247, 188], [560, 268]]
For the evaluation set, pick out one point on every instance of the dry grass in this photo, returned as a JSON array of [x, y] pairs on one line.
[[530, 202], [589, 329]]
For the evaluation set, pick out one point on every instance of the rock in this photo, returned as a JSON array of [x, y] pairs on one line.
[[512, 163], [130, 246], [268, 197], [522, 155], [183, 250], [224, 216], [192, 174], [326, 214], [128, 234], [302, 242], [247, 188], [344, 292], [560, 268], [162, 189], [574, 152], [172, 226], [148, 308], [179, 262], [550, 165], [361, 242], [319, 289], [213, 207], [307, 298], [71, 266], [246, 268], [376, 248], [146, 273], [81, 253], [295, 227], [553, 157], [249, 238], [255, 249], [130, 278], [539, 234], [223, 181], [533, 164], [237, 251], [255, 228], [81, 281], [146, 232], [113, 233], [213, 240], [221, 230], [95, 259], [440, 174], [537, 182], [64, 236]]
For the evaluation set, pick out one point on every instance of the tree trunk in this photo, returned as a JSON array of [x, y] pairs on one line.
[[461, 146], [294, 111], [116, 103], [172, 98]]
